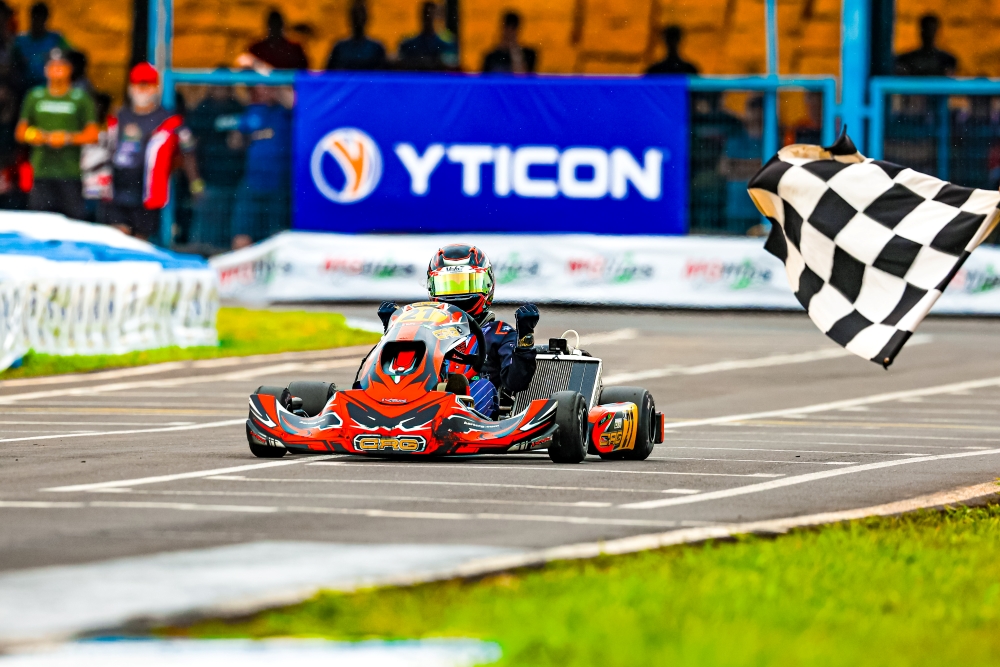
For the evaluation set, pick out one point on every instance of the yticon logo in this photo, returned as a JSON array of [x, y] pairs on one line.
[[359, 159], [582, 172]]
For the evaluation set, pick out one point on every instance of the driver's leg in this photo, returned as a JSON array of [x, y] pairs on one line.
[[484, 393]]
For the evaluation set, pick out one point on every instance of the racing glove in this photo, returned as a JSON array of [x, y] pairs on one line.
[[525, 320], [385, 312]]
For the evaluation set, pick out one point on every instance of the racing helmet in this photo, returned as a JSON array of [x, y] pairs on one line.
[[461, 275]]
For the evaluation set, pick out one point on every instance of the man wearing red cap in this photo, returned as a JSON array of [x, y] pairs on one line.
[[56, 119], [145, 140]]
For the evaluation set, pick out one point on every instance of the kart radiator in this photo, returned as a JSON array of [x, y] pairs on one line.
[[562, 373]]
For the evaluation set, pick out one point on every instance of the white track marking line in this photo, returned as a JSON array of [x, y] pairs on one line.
[[345, 511], [125, 483], [246, 374], [797, 479], [163, 429], [78, 424], [789, 434], [358, 496], [542, 468], [741, 364], [836, 405], [811, 463], [787, 451], [312, 480], [152, 369]]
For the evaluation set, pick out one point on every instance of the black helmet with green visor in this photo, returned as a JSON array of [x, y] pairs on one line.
[[462, 275]]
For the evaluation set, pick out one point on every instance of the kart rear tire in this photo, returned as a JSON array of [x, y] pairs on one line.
[[645, 435], [314, 395], [569, 445]]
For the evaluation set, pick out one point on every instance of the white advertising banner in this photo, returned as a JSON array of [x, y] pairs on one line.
[[69, 287], [679, 272]]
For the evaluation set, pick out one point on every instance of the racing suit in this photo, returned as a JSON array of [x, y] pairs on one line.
[[507, 366]]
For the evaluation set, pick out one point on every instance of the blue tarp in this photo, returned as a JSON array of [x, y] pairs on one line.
[[13, 243]]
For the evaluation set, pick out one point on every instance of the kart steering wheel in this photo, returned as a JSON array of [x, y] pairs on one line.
[[475, 360]]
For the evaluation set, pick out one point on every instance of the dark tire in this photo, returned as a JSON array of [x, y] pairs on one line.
[[645, 434], [570, 442], [263, 451], [314, 395], [279, 393]]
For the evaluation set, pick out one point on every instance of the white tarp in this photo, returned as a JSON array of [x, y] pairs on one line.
[[686, 272], [69, 287]]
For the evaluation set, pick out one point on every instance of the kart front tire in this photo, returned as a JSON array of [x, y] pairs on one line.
[[314, 395], [569, 444], [262, 452], [645, 434]]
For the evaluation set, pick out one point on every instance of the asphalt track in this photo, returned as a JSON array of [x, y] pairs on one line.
[[767, 419]]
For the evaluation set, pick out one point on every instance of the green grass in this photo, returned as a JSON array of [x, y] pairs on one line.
[[921, 589], [241, 332]]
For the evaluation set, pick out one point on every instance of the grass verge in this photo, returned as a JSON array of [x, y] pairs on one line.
[[920, 589], [242, 332]]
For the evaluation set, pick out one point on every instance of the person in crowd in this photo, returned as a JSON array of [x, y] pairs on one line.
[[262, 199], [277, 50], [31, 49], [928, 60], [56, 119], [450, 55], [9, 74], [145, 140], [425, 51], [95, 160], [510, 57], [11, 153], [358, 52], [215, 123], [80, 78], [673, 63]]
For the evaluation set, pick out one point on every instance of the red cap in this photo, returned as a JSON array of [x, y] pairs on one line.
[[144, 73]]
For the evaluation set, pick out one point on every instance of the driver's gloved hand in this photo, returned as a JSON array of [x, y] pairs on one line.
[[526, 319], [386, 310]]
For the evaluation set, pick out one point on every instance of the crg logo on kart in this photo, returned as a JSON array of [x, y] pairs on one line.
[[358, 158], [381, 443]]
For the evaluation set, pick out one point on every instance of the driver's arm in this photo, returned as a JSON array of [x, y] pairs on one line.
[[517, 364]]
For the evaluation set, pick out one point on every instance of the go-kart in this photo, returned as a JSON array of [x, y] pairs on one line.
[[403, 404]]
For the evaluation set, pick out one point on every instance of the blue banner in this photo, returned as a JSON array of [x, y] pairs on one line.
[[430, 153]]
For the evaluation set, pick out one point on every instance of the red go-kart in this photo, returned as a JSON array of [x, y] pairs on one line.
[[404, 405]]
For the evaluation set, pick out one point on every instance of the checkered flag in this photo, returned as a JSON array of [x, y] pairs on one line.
[[868, 246]]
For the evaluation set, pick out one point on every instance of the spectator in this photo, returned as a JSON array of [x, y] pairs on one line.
[[8, 75], [95, 160], [357, 52], [215, 124], [141, 168], [673, 63], [80, 79], [275, 49], [11, 155], [510, 57], [426, 51], [262, 200], [928, 60], [57, 119], [450, 55], [31, 49]]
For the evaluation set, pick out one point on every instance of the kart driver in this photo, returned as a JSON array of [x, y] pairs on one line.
[[462, 275]]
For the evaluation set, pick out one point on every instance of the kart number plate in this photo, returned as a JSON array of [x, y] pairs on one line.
[[381, 443]]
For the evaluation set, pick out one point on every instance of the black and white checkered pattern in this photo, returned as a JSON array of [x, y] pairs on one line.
[[868, 246]]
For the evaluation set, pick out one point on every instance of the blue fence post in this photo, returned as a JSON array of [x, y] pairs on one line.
[[163, 50], [876, 134], [828, 132], [770, 141], [854, 63]]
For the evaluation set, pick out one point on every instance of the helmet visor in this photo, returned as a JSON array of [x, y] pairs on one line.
[[459, 282]]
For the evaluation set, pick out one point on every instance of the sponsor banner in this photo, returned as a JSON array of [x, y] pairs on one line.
[[685, 272], [69, 287], [405, 153]]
